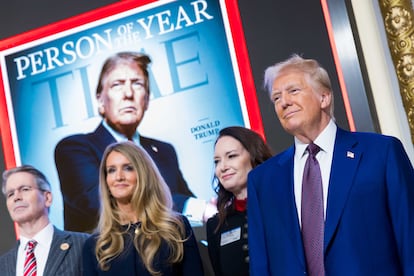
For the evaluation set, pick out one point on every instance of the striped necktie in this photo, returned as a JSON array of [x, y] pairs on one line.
[[30, 267]]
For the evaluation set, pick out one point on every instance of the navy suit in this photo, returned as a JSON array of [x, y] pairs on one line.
[[77, 161], [65, 261], [369, 225]]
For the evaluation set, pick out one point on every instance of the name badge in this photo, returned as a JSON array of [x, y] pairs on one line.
[[230, 236]]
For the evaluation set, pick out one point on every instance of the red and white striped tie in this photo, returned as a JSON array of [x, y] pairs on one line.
[[30, 266]]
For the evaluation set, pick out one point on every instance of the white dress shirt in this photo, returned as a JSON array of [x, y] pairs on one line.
[[326, 141], [121, 137], [44, 240]]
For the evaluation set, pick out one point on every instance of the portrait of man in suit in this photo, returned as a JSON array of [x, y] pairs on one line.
[[42, 248], [123, 96], [334, 203]]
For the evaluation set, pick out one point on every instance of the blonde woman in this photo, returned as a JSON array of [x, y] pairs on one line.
[[138, 232]]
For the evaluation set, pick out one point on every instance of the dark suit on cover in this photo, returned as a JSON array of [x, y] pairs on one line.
[[369, 225], [77, 159], [62, 262]]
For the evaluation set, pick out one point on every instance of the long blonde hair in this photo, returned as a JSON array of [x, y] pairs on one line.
[[152, 202]]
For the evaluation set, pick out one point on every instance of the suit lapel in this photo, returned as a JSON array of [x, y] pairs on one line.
[[149, 146], [59, 248], [345, 161], [102, 137], [11, 261], [288, 202]]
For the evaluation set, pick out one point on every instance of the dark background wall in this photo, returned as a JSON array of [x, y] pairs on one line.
[[274, 29]]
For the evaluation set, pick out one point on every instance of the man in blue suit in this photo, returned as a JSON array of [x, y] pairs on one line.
[[123, 96], [367, 188], [28, 198]]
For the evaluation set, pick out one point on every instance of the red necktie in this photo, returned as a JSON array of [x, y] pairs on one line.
[[30, 267], [312, 213]]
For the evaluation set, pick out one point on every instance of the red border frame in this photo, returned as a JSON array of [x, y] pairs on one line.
[[236, 29], [244, 67]]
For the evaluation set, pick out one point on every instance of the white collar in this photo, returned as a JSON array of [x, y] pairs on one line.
[[43, 237], [325, 140], [118, 136]]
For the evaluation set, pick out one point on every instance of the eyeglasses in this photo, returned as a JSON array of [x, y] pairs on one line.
[[22, 190]]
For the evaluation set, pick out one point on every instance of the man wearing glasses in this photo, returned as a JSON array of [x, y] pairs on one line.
[[42, 249]]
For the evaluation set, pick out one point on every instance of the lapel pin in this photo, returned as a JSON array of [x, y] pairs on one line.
[[64, 246], [154, 148], [350, 154]]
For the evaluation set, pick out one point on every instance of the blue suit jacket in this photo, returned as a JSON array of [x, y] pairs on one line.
[[66, 262], [369, 225], [77, 159]]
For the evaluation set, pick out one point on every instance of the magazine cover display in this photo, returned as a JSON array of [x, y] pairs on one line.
[[200, 82]]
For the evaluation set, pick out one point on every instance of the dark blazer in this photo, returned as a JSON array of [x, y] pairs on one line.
[[129, 262], [369, 225], [232, 258], [77, 159], [66, 262]]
